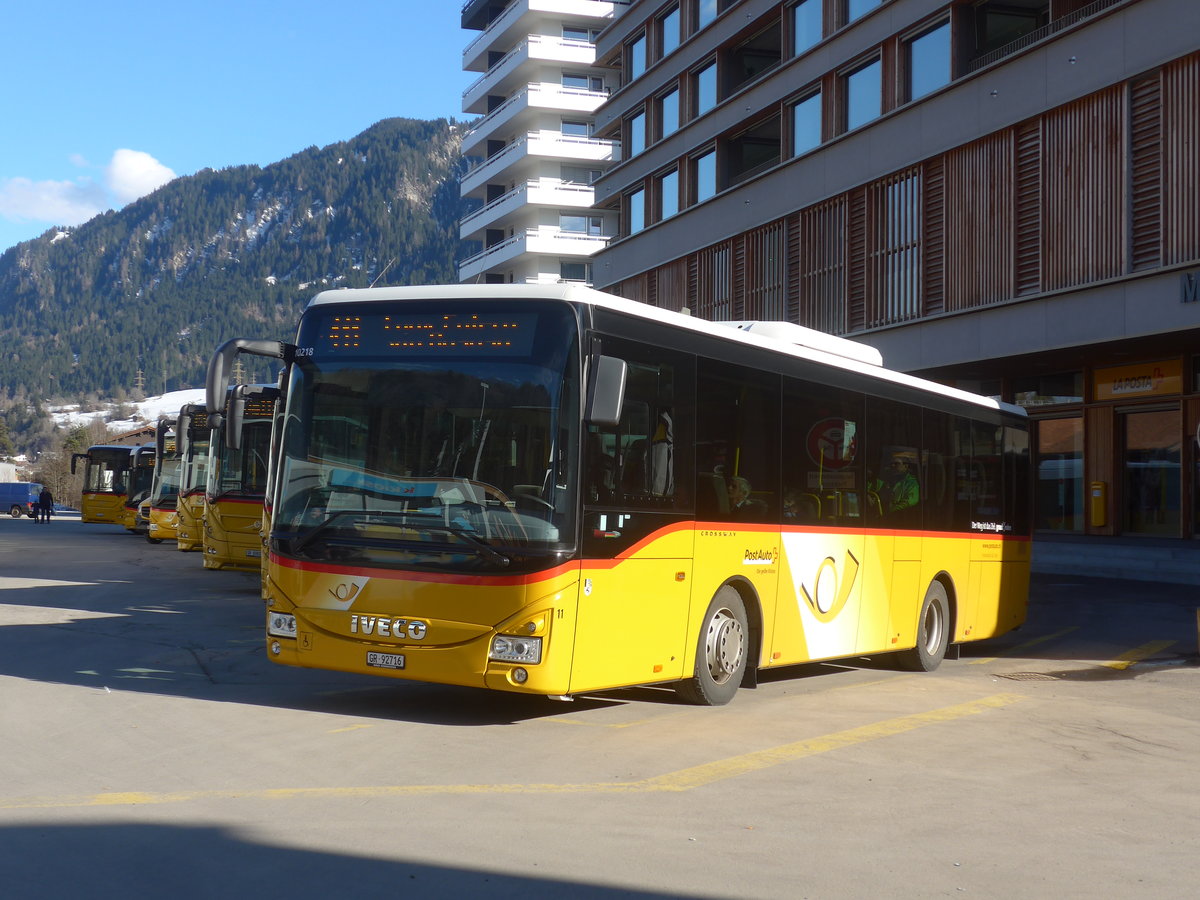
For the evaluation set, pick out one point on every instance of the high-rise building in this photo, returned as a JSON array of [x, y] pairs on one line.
[[532, 155], [998, 194]]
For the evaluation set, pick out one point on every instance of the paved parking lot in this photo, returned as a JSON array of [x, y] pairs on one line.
[[150, 749]]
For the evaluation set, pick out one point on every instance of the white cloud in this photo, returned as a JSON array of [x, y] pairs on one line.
[[57, 202], [129, 175], [133, 174]]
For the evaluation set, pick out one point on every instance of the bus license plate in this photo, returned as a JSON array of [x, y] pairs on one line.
[[386, 660], [257, 554]]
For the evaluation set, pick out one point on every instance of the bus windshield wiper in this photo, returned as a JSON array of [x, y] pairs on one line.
[[482, 549]]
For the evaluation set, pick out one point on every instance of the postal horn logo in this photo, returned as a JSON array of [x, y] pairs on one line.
[[346, 591], [830, 590]]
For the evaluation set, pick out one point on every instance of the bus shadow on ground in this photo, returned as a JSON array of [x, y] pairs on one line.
[[117, 861]]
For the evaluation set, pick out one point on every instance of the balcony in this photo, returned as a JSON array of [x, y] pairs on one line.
[[520, 17], [538, 241], [534, 192], [506, 75], [539, 97], [519, 159]]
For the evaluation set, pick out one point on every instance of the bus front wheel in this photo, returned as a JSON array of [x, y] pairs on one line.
[[15, 512], [721, 652], [933, 632]]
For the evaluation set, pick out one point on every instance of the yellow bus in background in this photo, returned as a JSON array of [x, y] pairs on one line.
[[163, 514], [139, 482], [549, 490], [105, 482], [237, 479], [192, 435]]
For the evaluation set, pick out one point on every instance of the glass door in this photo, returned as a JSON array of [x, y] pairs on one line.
[[1151, 472], [1059, 502]]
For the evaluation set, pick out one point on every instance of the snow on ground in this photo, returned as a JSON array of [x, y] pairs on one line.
[[144, 412]]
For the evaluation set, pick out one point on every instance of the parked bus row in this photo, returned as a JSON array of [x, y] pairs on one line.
[[187, 486]]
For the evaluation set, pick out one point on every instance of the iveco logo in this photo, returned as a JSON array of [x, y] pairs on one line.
[[386, 626]]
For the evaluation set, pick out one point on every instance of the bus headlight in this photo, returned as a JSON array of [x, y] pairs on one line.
[[281, 624], [509, 648]]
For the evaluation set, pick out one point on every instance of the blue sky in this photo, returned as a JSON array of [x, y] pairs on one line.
[[103, 102]]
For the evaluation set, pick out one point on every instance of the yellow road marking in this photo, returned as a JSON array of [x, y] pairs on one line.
[[682, 780], [1137, 654], [1021, 648], [349, 728]]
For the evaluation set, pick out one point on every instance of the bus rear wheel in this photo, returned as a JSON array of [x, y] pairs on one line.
[[15, 512], [721, 652], [933, 632]]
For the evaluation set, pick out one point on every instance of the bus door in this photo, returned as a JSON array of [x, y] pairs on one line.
[[831, 570], [637, 537], [738, 495]]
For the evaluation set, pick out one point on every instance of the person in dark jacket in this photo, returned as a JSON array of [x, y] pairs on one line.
[[45, 505]]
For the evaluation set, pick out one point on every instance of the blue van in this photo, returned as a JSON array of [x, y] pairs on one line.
[[20, 498]]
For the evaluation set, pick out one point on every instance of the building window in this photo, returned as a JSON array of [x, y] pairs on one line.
[[706, 13], [579, 33], [668, 113], [704, 176], [578, 223], [704, 88], [754, 56], [754, 150], [929, 61], [864, 94], [574, 271], [635, 210], [578, 175], [637, 58], [806, 124], [806, 25], [636, 139], [575, 128], [575, 80], [668, 32], [856, 9], [668, 194]]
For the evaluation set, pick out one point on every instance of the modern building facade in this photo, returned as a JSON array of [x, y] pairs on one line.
[[532, 155], [999, 194]]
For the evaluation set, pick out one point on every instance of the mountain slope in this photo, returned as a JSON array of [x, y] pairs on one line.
[[155, 287]]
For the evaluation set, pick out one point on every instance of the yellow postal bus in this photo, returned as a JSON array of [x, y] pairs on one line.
[[549, 490], [192, 433], [105, 483], [163, 524], [140, 482], [237, 480]]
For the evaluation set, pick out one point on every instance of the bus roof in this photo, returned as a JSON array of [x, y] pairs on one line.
[[780, 337]]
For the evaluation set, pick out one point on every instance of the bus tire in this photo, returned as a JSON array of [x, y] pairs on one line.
[[721, 652], [933, 632], [154, 540], [15, 512]]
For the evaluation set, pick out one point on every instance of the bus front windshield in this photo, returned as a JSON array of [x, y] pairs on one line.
[[441, 437]]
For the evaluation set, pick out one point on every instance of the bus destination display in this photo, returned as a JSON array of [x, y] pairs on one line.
[[427, 334]]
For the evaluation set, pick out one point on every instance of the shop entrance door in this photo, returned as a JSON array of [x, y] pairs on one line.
[[1151, 472]]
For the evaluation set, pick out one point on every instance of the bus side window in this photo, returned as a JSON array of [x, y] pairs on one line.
[[822, 462], [737, 444], [635, 464]]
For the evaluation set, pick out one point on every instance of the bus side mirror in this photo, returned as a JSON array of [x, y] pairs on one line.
[[222, 361], [75, 457], [237, 410], [234, 416], [606, 391]]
